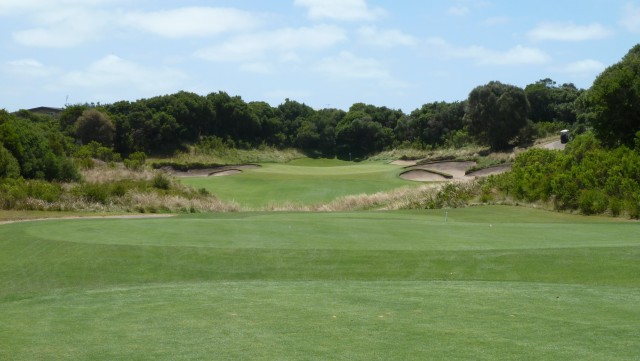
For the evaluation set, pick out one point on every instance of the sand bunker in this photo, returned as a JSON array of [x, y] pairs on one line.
[[421, 175], [498, 169], [455, 169], [214, 172], [225, 173], [405, 163], [444, 171]]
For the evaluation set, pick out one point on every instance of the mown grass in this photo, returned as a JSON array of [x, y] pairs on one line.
[[301, 182], [479, 283]]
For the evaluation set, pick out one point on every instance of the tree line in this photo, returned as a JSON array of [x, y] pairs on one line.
[[495, 114]]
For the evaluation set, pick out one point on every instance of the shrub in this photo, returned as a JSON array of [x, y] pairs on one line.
[[593, 201], [93, 192], [161, 181], [136, 160]]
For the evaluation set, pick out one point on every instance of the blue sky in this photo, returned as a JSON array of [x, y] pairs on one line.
[[325, 53]]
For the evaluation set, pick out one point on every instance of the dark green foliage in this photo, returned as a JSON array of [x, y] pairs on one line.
[[136, 160], [585, 177], [613, 102], [161, 181], [432, 124], [358, 136], [552, 103], [69, 117], [38, 149], [15, 191], [94, 125], [9, 167], [496, 112]]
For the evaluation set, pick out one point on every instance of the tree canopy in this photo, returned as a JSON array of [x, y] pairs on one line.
[[496, 112], [614, 100]]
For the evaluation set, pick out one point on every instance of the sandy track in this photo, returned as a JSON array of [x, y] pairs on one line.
[[216, 172], [124, 216], [421, 175], [456, 169], [557, 145], [498, 169], [429, 172]]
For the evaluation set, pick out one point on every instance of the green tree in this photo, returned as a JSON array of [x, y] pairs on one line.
[[94, 125], [357, 136], [495, 113], [29, 143], [433, 122], [9, 167], [614, 99]]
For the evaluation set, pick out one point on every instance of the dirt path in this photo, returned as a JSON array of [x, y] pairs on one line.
[[556, 145], [124, 216]]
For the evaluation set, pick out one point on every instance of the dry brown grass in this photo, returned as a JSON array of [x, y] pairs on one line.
[[401, 198]]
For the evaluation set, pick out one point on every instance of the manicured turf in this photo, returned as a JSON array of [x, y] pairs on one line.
[[302, 182], [489, 283]]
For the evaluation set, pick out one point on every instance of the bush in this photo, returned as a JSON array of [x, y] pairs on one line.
[[161, 181], [593, 201], [93, 192], [135, 161], [585, 177]]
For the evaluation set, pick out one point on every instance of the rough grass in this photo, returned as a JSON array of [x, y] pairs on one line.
[[483, 283], [234, 156], [466, 153]]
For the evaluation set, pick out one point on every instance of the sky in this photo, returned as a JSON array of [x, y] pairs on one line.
[[325, 53]]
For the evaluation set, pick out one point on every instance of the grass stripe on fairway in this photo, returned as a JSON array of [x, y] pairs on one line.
[[327, 320], [488, 283], [301, 184]]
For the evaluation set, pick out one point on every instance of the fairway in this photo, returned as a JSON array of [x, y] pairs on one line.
[[485, 283], [302, 182]]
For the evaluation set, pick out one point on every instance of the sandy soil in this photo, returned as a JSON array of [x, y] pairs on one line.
[[421, 175], [498, 169], [456, 169], [557, 145], [405, 163], [225, 173], [216, 172], [125, 216]]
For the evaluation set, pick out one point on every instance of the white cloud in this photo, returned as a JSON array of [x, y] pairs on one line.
[[63, 28], [631, 18], [458, 10], [287, 42], [385, 38], [517, 55], [347, 65], [343, 10], [27, 67], [569, 32], [10, 7], [192, 21], [115, 71], [584, 67]]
